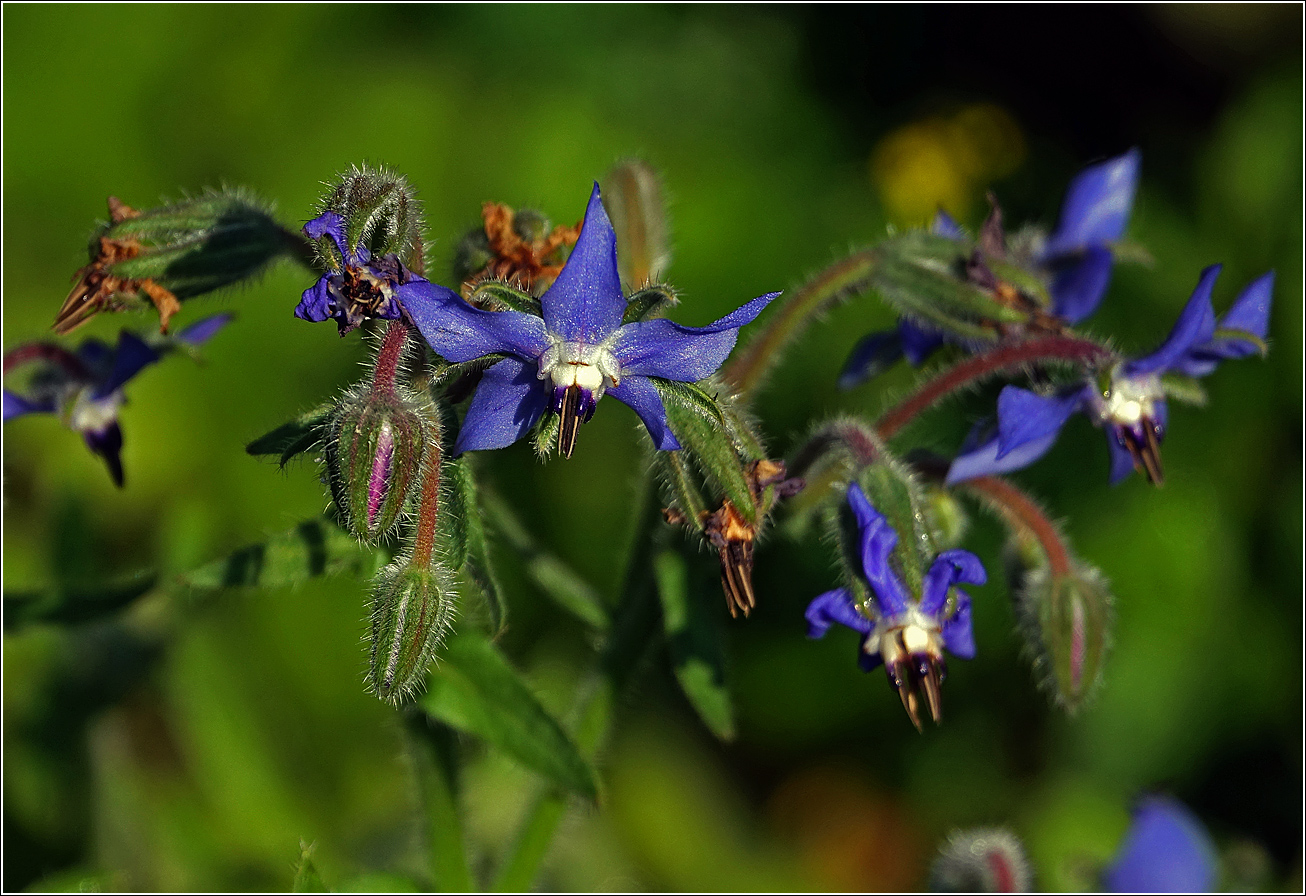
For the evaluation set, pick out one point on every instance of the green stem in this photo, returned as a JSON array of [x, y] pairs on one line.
[[1003, 359], [792, 315]]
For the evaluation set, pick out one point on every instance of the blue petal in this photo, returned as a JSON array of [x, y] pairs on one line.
[[872, 355], [131, 358], [944, 225], [1196, 324], [317, 304], [1025, 416], [668, 350], [869, 659], [982, 460], [1166, 850], [16, 405], [918, 343], [585, 303], [640, 395], [203, 330], [107, 443], [1250, 314], [831, 607], [958, 635], [948, 569], [1078, 287], [878, 542], [461, 332], [1122, 462], [507, 403], [1097, 205], [333, 225]]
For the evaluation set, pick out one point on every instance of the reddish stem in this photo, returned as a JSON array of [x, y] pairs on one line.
[[388, 358], [45, 351], [1022, 509], [429, 508], [1046, 349]]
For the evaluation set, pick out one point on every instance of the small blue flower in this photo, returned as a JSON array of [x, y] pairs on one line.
[[1166, 850], [905, 633], [579, 351], [1131, 404], [85, 387], [1076, 260], [363, 287]]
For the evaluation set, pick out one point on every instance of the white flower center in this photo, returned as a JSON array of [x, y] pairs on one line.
[[592, 368], [1129, 401], [93, 415]]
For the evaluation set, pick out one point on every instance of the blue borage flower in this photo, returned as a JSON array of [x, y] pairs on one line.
[[85, 387], [1076, 259], [1130, 403], [362, 287], [905, 633], [1166, 850], [576, 353]]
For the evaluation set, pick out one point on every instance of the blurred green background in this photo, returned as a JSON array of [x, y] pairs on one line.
[[784, 137]]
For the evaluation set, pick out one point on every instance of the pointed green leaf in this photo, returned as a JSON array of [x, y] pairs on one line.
[[704, 435], [307, 879], [434, 750], [1187, 389], [475, 689], [312, 549], [695, 645], [66, 604], [295, 437]]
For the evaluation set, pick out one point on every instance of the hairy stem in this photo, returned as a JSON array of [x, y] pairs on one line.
[[429, 508], [1021, 510], [389, 358], [1003, 359]]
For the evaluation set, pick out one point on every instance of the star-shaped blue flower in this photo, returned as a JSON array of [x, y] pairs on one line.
[[576, 353], [360, 288], [1166, 850], [1131, 404], [906, 633], [1076, 259], [85, 387]]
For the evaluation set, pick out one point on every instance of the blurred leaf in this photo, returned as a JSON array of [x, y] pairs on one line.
[[434, 750], [70, 605], [295, 437], [312, 549], [307, 879], [695, 646], [475, 689], [555, 578], [466, 540]]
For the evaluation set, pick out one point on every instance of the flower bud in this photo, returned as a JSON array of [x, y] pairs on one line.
[[632, 194], [412, 609], [381, 214], [373, 453], [1066, 619], [981, 860], [173, 252]]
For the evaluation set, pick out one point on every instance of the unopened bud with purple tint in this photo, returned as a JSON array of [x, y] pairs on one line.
[[981, 860], [1066, 619], [412, 609]]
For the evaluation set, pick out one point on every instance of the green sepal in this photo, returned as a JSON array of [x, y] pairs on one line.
[[307, 878], [475, 689], [922, 275], [704, 434], [198, 245], [648, 302], [295, 437], [1187, 389], [1027, 282], [1222, 333], [632, 197], [495, 296], [380, 210], [313, 549], [694, 641], [67, 604], [545, 438]]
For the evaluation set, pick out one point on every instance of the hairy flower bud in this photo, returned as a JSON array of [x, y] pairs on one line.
[[373, 453], [981, 860], [380, 213], [412, 609], [1066, 620], [173, 252]]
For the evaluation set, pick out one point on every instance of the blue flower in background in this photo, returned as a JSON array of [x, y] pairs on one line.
[[1131, 404], [363, 287], [85, 387], [907, 634], [1076, 259], [575, 354], [1166, 850]]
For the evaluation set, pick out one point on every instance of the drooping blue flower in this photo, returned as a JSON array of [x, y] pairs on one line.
[[906, 633], [362, 287], [1166, 850], [1130, 404], [1075, 260], [577, 352], [85, 387]]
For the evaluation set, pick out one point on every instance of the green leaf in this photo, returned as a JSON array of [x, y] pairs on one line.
[[698, 423], [434, 750], [313, 549], [1187, 389], [295, 437], [475, 689], [466, 540], [66, 604], [307, 879], [695, 644]]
